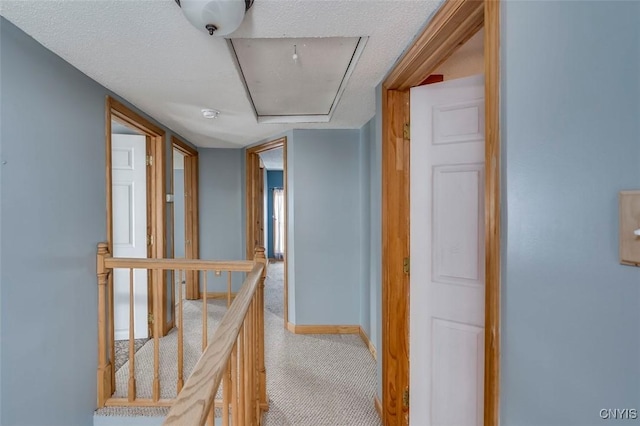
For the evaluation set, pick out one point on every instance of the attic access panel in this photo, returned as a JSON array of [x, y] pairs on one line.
[[307, 88]]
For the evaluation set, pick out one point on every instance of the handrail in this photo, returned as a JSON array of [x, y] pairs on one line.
[[244, 382], [194, 403], [183, 264]]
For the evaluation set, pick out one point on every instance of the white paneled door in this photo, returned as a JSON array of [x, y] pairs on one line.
[[129, 201], [447, 253]]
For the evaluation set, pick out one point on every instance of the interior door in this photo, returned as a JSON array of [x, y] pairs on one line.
[[447, 253], [129, 202]]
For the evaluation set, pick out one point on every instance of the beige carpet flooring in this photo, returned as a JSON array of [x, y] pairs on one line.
[[122, 350], [314, 380]]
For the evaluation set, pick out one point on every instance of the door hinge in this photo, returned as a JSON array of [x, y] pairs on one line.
[[406, 265], [150, 240], [150, 318], [149, 160], [405, 397], [406, 131]]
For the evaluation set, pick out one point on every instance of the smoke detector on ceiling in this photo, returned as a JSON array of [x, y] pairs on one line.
[[210, 113], [217, 17]]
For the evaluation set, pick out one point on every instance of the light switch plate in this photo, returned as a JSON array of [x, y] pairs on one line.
[[629, 224]]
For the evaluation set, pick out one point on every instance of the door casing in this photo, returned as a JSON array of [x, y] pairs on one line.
[[156, 218], [191, 225], [455, 22], [254, 201]]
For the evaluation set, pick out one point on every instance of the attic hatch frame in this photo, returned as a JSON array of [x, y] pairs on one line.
[[300, 118], [453, 24]]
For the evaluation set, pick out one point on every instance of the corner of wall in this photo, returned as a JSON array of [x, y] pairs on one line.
[[291, 278]]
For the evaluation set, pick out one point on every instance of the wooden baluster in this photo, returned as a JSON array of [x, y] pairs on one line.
[[228, 289], [254, 362], [180, 383], [241, 383], [235, 418], [226, 392], [157, 327], [262, 372], [131, 395], [204, 312], [255, 368], [211, 415], [247, 369], [251, 364], [104, 365], [112, 332]]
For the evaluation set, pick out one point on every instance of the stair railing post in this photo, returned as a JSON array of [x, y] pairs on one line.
[[259, 257], [105, 389]]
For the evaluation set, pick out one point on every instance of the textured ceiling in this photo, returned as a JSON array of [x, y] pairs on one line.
[[148, 53]]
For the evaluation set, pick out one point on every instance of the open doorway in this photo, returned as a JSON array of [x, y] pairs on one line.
[[454, 24], [130, 217], [135, 201], [273, 162], [266, 194], [185, 213]]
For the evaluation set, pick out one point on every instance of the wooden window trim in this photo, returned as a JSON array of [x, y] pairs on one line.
[[455, 22]]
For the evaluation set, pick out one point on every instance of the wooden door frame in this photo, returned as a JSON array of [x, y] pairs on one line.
[[192, 224], [252, 194], [156, 218], [455, 22]]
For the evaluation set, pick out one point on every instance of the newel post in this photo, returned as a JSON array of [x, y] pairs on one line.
[[105, 388], [259, 257]]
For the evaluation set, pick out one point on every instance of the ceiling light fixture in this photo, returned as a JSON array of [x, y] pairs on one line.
[[210, 113], [295, 53], [217, 17]]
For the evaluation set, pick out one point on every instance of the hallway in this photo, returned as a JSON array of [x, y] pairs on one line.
[[319, 380], [312, 380]]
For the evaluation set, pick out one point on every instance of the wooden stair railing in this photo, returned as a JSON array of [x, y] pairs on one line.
[[235, 355]]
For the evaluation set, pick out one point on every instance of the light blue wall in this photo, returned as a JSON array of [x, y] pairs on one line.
[[371, 242], [1, 157], [570, 312], [221, 209], [326, 226], [52, 211], [365, 227], [178, 212], [375, 155], [53, 192]]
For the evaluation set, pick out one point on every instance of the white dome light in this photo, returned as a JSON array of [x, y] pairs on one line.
[[217, 17]]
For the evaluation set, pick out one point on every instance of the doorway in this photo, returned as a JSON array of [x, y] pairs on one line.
[[185, 213], [140, 153], [454, 24], [266, 200], [130, 217]]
